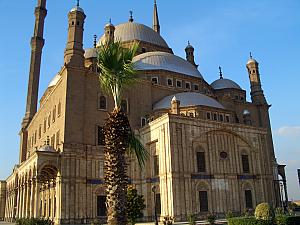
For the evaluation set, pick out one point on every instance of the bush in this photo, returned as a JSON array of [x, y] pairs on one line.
[[135, 205], [279, 220], [279, 211], [287, 220], [211, 218], [264, 212], [33, 221], [247, 221], [191, 219], [229, 215]]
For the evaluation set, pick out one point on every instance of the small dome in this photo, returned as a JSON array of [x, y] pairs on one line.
[[246, 112], [188, 99], [54, 81], [165, 61], [90, 53], [134, 31], [251, 60], [189, 46], [47, 148], [77, 8], [224, 83]]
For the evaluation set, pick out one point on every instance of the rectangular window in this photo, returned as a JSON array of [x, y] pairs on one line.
[[57, 139], [178, 83], [58, 109], [40, 131], [52, 141], [154, 80], [188, 85], [248, 199], [49, 120], [101, 207], [208, 116], [156, 165], [201, 161], [45, 124], [245, 163], [100, 136], [143, 121], [215, 116], [170, 82], [196, 87], [227, 118], [157, 204], [221, 117], [203, 201], [54, 114]]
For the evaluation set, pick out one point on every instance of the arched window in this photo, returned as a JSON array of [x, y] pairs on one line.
[[102, 103]]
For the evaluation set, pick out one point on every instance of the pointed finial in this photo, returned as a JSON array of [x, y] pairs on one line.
[[109, 21], [189, 43], [250, 55], [77, 3], [154, 2], [95, 41], [131, 17], [221, 74]]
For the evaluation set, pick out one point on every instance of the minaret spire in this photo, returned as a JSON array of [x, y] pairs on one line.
[[37, 44], [156, 26]]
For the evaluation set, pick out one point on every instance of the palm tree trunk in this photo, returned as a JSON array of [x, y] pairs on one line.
[[117, 129]]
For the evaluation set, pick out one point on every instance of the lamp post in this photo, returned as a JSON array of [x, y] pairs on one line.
[[155, 213]]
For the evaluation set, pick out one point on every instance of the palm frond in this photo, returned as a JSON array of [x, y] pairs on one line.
[[116, 69], [136, 148]]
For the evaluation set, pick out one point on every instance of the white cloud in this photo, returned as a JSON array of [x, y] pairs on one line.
[[288, 131]]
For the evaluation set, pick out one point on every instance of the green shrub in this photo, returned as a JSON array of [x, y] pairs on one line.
[[191, 219], [279, 211], [211, 218], [264, 212], [33, 221], [229, 215], [247, 221], [287, 220]]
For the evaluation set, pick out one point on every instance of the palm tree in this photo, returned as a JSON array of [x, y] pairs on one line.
[[116, 73]]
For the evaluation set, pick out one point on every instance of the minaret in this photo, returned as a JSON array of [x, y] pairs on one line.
[[37, 44], [74, 53], [109, 31], [257, 94], [156, 26], [189, 50]]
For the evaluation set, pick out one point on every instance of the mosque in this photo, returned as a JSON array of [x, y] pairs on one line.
[[211, 150]]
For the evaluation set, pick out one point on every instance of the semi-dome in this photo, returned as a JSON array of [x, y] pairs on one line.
[[188, 99], [54, 81], [165, 61], [134, 31], [90, 53], [224, 83]]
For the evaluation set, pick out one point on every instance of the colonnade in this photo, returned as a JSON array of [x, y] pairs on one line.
[[33, 198]]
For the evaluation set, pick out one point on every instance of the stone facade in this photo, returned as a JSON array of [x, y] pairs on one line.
[[210, 149]]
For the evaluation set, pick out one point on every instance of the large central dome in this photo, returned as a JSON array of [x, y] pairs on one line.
[[165, 61], [134, 31]]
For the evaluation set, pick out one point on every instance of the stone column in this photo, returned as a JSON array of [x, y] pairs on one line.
[[31, 204], [19, 201], [23, 201], [37, 199], [28, 193], [58, 198]]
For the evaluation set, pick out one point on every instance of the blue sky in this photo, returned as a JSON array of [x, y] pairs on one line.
[[222, 32]]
